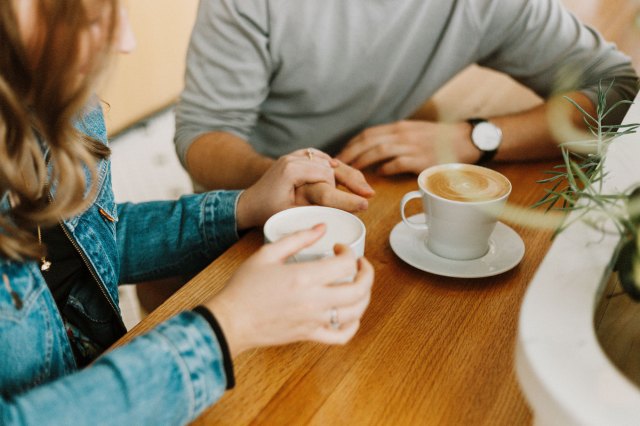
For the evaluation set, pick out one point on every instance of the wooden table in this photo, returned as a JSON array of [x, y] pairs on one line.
[[431, 350]]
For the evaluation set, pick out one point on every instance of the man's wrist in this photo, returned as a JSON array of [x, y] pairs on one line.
[[259, 166], [466, 151], [238, 165]]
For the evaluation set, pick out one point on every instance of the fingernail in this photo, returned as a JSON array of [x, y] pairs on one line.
[[363, 205]]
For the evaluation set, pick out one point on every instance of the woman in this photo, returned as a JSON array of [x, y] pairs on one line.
[[65, 245]]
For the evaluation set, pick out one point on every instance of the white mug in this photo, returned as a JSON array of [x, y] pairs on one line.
[[462, 203], [342, 228]]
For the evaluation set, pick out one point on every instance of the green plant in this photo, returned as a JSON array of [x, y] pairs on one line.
[[576, 186]]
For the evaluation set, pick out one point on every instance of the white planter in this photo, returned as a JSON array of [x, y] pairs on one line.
[[562, 370]]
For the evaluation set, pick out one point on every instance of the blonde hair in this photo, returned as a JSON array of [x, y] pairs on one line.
[[43, 88]]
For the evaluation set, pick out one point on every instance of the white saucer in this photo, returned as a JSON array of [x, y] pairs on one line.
[[506, 250]]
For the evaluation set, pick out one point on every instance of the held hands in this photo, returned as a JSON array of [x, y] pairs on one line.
[[269, 302], [301, 178], [323, 194], [410, 146]]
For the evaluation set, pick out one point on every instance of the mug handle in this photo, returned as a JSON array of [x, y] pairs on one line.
[[408, 197]]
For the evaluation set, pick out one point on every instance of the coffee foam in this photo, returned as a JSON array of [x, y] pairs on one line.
[[466, 183]]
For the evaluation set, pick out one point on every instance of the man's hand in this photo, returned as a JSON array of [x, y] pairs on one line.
[[410, 146]]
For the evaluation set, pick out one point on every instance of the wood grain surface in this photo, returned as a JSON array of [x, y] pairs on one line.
[[430, 350]]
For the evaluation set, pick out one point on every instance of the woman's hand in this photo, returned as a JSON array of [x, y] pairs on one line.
[[269, 302], [301, 178], [324, 195]]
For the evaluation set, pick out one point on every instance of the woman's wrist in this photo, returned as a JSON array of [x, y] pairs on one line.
[[231, 328], [244, 211], [207, 314]]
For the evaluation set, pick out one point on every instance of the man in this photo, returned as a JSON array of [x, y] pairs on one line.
[[267, 77]]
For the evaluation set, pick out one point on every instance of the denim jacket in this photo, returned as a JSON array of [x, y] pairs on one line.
[[165, 377]]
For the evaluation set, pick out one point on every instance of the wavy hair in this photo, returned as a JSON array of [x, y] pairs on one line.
[[45, 82]]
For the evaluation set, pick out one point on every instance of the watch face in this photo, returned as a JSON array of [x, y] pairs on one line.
[[486, 136]]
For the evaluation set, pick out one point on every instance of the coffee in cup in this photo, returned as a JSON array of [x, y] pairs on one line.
[[341, 228], [466, 183], [462, 203]]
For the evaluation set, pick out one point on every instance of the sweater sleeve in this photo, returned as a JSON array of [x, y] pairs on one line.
[[166, 377], [228, 71], [545, 47]]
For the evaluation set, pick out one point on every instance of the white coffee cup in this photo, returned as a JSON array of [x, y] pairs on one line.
[[462, 203], [342, 228]]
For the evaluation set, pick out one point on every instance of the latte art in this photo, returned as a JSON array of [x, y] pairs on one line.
[[467, 183]]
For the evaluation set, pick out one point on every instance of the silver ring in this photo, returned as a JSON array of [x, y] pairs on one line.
[[334, 321], [310, 153]]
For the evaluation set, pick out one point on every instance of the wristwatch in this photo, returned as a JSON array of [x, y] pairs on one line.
[[485, 136]]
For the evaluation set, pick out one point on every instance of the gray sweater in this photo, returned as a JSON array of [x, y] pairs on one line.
[[288, 74]]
